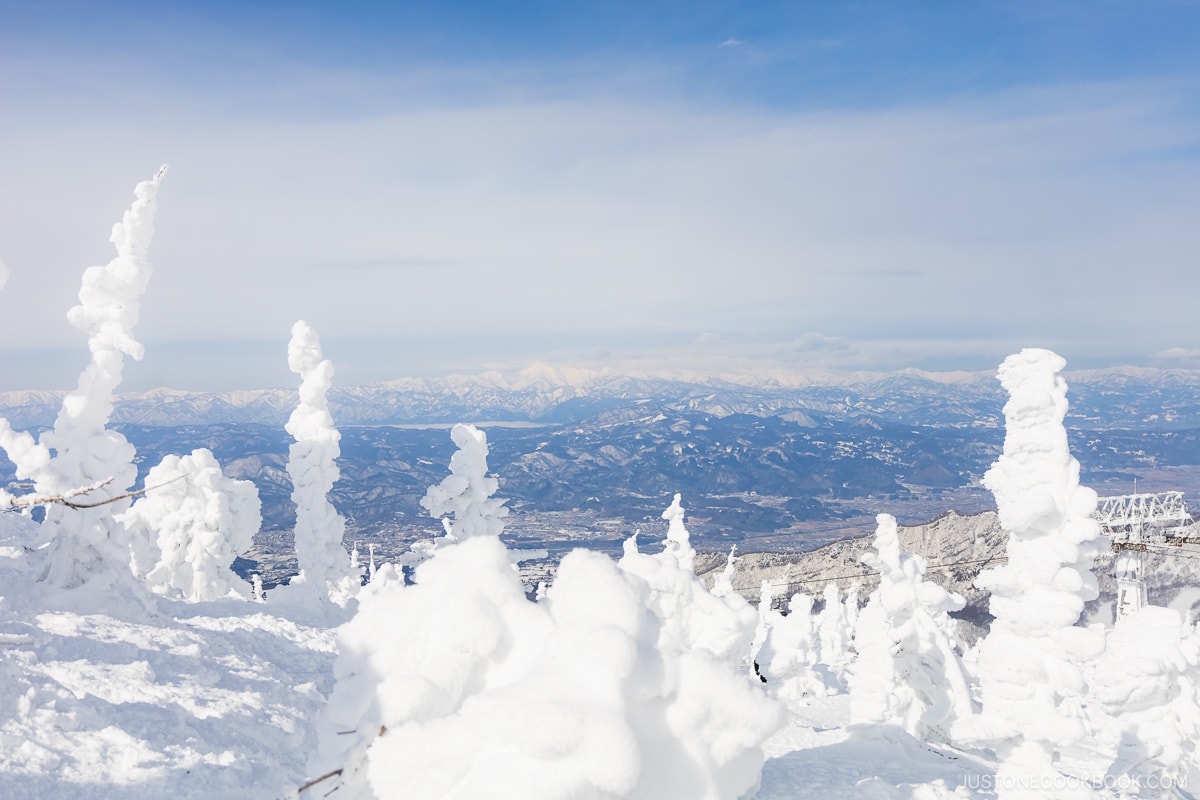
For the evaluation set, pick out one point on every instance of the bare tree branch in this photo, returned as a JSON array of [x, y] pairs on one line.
[[315, 781], [66, 498]]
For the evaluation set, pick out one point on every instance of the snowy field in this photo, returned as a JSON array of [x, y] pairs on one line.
[[144, 696]]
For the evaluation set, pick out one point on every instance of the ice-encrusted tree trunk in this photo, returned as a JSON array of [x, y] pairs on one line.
[[190, 525], [312, 464], [1031, 683], [81, 450], [908, 671]]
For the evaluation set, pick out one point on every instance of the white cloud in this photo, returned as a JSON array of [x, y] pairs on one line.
[[1178, 357], [815, 348]]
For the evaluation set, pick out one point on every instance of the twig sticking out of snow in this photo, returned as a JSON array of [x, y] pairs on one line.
[[331, 774]]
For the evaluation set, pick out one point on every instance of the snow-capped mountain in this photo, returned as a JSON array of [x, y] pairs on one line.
[[1118, 397], [780, 463]]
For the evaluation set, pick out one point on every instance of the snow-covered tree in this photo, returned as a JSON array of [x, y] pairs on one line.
[[81, 450], [30, 457], [694, 617], [790, 655], [1146, 684], [1029, 663], [723, 583], [908, 671], [836, 632], [460, 686], [677, 547], [463, 500], [190, 525], [312, 464]]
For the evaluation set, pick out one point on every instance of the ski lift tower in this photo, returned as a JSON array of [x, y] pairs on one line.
[[1132, 521]]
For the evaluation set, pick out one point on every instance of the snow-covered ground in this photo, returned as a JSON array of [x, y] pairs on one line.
[[148, 697]]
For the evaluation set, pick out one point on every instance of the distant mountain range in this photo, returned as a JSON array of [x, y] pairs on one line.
[[779, 463], [1123, 397]]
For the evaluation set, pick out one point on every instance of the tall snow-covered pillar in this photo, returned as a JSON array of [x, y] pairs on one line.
[[312, 465], [1030, 679], [87, 542]]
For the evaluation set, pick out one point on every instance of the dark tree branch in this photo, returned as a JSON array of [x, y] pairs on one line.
[[66, 498]]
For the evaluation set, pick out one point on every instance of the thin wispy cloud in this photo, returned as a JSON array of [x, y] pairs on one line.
[[384, 265], [881, 273]]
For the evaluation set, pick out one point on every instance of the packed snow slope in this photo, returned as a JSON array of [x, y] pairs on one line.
[[141, 696]]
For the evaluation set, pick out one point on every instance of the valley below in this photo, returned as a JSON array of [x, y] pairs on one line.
[[776, 466]]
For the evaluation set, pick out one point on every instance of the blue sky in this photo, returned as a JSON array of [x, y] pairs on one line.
[[726, 186]]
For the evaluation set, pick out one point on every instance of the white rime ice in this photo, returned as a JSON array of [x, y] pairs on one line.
[[836, 630], [312, 464], [790, 655], [466, 494], [1031, 684], [908, 672], [190, 525], [80, 450], [1146, 686], [723, 585], [616, 684]]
